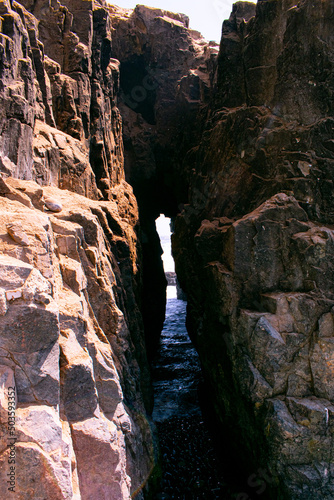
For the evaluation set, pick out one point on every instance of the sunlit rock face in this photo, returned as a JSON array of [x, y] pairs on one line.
[[72, 350], [254, 246], [56, 68], [69, 347]]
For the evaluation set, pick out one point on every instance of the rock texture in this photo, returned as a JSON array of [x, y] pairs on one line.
[[254, 245], [73, 362], [239, 146], [165, 78], [56, 69], [67, 347]]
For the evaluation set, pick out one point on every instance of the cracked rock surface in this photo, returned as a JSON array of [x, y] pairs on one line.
[[237, 145], [71, 333], [69, 354], [254, 245]]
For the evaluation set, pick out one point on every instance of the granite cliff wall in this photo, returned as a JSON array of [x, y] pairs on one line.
[[238, 146], [72, 339], [165, 79], [240, 143], [254, 245]]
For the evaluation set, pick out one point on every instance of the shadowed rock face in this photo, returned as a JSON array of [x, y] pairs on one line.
[[254, 246], [165, 78], [254, 242]]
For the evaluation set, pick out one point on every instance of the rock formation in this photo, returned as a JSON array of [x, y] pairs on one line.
[[237, 145], [72, 341], [254, 245], [165, 80], [66, 346]]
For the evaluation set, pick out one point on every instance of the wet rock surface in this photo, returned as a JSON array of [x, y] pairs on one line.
[[176, 371], [191, 467]]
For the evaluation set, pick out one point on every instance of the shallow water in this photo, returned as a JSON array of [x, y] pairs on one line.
[[191, 468], [177, 369]]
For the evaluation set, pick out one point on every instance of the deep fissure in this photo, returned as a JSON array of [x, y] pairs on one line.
[[197, 460], [110, 117], [161, 137], [190, 464]]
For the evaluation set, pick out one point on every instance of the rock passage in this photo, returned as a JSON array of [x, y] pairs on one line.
[[121, 115], [191, 468], [176, 370]]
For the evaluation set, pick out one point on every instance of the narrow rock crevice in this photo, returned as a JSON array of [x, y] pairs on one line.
[[109, 117]]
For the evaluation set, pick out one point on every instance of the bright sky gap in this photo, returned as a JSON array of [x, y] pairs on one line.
[[205, 16]]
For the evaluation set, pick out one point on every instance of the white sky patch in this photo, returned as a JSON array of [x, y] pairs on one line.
[[206, 16], [163, 228]]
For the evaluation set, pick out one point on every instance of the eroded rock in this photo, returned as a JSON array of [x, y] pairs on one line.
[[60, 127], [254, 245], [68, 361], [242, 145], [17, 234], [165, 76]]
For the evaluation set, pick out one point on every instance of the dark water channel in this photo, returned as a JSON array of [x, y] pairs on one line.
[[191, 468]]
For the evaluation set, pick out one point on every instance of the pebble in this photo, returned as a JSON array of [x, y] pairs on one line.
[[42, 298], [17, 234], [53, 205]]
